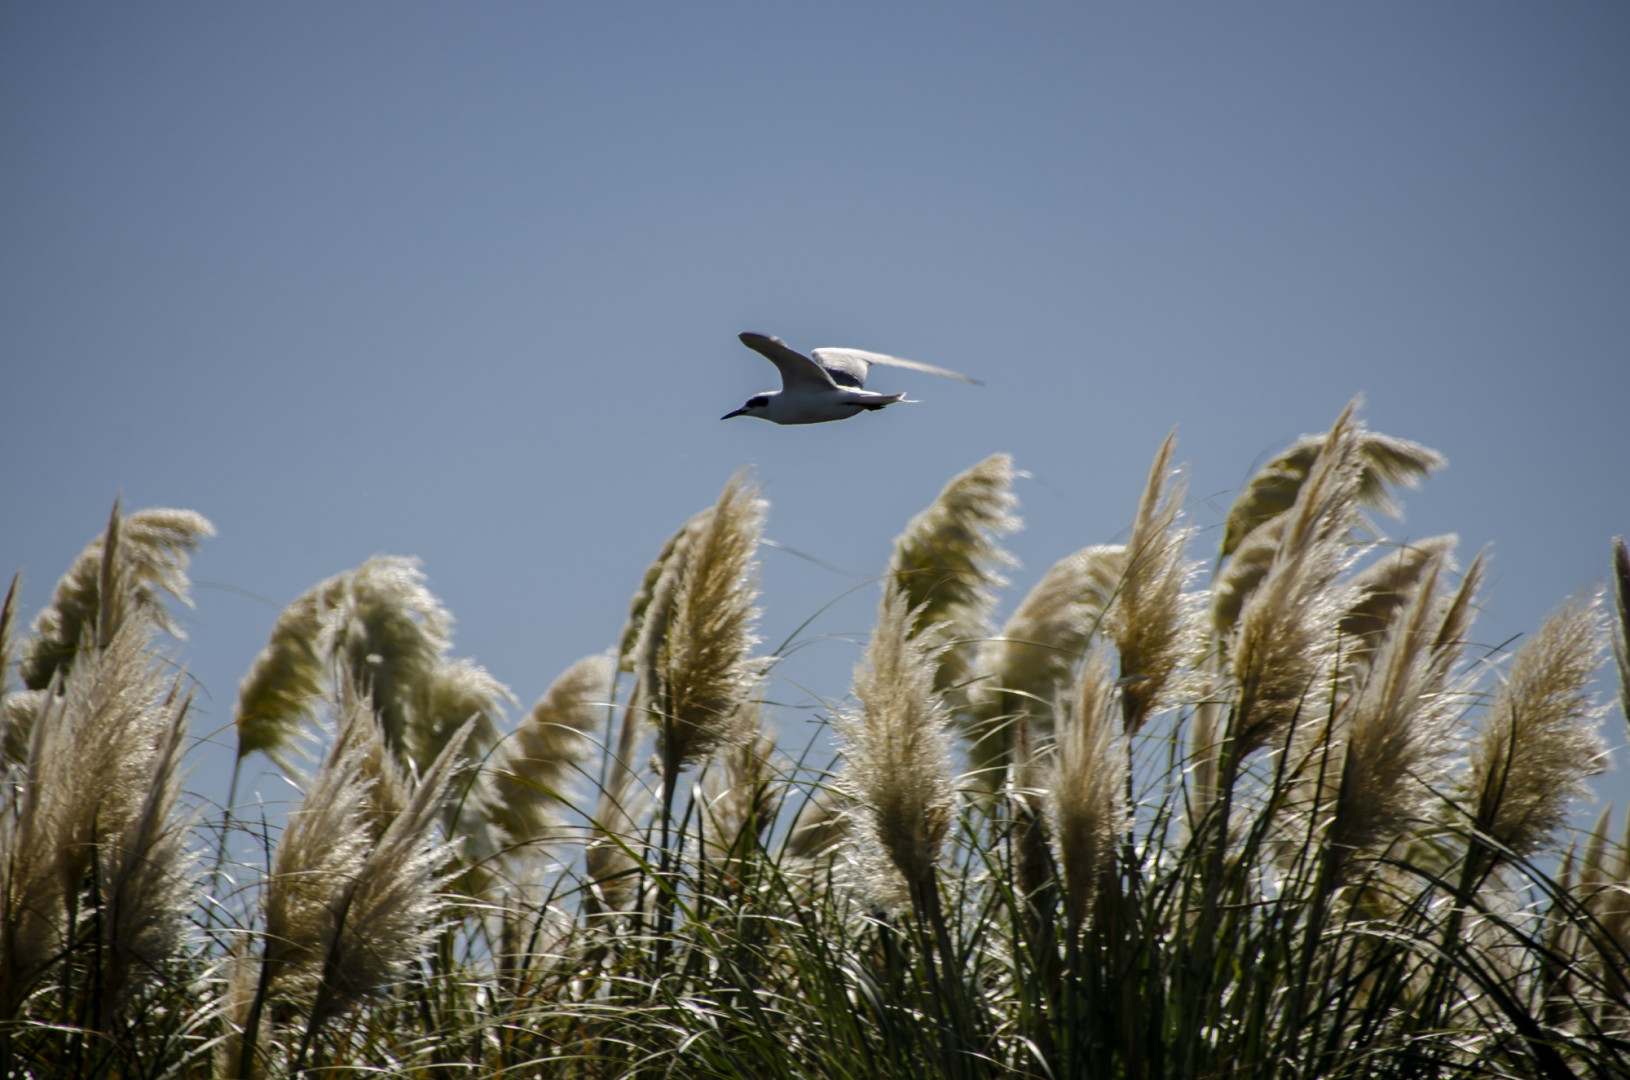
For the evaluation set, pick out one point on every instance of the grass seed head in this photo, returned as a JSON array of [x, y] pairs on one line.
[[897, 765]]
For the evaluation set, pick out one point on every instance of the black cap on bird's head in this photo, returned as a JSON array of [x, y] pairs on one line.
[[754, 404]]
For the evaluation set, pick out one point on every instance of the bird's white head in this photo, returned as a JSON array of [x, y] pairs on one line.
[[757, 405]]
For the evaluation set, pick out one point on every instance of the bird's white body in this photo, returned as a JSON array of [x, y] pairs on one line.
[[831, 386]]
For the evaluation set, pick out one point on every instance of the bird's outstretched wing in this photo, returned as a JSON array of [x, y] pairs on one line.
[[796, 368], [854, 362]]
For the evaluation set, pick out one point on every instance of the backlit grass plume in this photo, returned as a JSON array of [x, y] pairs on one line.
[[1386, 586], [1383, 461], [89, 839], [345, 909], [1284, 643], [1538, 743], [897, 763], [1032, 659], [121, 574], [535, 770], [947, 563], [1086, 787], [1387, 757], [377, 627], [1152, 619], [702, 666]]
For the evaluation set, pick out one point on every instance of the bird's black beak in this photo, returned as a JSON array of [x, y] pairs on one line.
[[728, 415]]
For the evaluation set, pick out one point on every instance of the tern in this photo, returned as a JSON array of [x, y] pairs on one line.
[[829, 387]]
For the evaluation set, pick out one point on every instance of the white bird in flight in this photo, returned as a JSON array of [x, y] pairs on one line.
[[829, 387]]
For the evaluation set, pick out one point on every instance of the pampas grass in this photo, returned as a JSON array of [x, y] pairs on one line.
[[1308, 839], [1085, 789], [121, 574], [897, 757], [947, 563], [1032, 659], [1151, 620], [1539, 743]]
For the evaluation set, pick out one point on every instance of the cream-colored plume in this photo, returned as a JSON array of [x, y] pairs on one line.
[[1539, 742], [377, 627], [1382, 461], [701, 657], [947, 563], [1027, 665], [120, 574], [1153, 622], [1087, 787], [1283, 644], [534, 773], [897, 764]]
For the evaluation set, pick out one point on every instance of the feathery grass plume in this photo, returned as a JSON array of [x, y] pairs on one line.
[[97, 748], [391, 909], [1032, 658], [1539, 743], [120, 574], [278, 698], [640, 605], [1392, 738], [147, 888], [346, 911], [33, 821], [1619, 583], [380, 628], [945, 565], [1383, 461], [702, 667], [1284, 641], [1087, 785], [1151, 620], [1241, 574], [534, 772], [897, 758], [1386, 586]]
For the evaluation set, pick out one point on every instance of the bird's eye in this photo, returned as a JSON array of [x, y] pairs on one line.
[[757, 402]]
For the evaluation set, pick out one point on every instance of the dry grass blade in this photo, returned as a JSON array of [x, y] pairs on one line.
[[897, 765], [1384, 461], [822, 825], [947, 562], [1151, 620], [149, 550], [1087, 786], [1539, 743], [740, 795]]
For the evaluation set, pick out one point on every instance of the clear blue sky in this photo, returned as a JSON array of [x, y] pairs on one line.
[[463, 282]]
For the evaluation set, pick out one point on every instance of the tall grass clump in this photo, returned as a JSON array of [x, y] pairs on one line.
[[1289, 818]]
